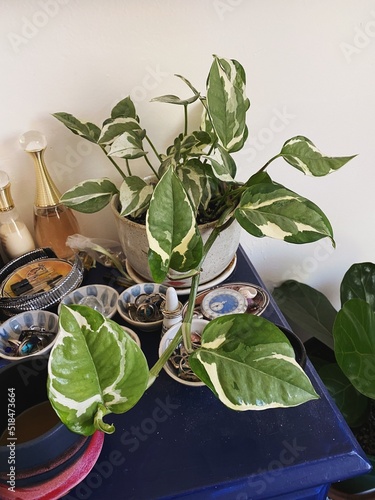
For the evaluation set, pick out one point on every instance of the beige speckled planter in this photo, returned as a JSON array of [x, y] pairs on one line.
[[134, 242]]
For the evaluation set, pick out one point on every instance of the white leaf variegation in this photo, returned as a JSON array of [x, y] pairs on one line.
[[194, 180], [135, 195], [227, 102], [90, 196], [269, 209], [80, 386], [222, 164], [249, 364], [174, 240], [304, 155]]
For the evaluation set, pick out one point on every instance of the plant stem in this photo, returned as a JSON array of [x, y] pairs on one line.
[[186, 325], [221, 224], [113, 162], [153, 148], [128, 166], [185, 119], [155, 370], [150, 165], [269, 161]]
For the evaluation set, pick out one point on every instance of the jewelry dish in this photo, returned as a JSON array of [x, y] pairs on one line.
[[102, 298], [141, 304], [27, 334], [255, 298]]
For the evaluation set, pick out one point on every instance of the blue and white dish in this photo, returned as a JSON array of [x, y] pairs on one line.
[[102, 298], [38, 320], [129, 297]]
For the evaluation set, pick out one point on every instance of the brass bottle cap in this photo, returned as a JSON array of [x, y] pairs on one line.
[[6, 200]]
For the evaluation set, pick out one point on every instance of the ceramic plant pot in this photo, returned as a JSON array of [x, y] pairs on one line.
[[45, 448], [133, 239]]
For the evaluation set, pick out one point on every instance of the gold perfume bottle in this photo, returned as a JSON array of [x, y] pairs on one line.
[[53, 222]]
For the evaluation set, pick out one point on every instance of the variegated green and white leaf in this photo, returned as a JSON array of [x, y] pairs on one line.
[[87, 130], [194, 143], [90, 196], [128, 145], [118, 126], [249, 364], [223, 165], [270, 209], [301, 153], [173, 99], [227, 103], [194, 90], [81, 387], [174, 241], [135, 195], [124, 109], [194, 180]]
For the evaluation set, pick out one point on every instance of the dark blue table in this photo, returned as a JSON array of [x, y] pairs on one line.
[[181, 442]]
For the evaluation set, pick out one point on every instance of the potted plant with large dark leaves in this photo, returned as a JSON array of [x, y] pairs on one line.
[[350, 334], [193, 181]]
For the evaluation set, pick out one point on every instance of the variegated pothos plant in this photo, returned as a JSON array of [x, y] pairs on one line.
[[195, 182]]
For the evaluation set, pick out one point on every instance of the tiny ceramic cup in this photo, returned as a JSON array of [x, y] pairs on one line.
[[197, 326], [102, 298], [28, 334], [140, 305]]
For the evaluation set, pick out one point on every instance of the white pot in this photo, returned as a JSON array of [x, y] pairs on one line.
[[197, 325], [133, 239]]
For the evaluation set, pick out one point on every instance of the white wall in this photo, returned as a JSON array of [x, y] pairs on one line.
[[310, 66]]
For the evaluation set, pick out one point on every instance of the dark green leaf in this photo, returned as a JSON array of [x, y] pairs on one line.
[[359, 282], [352, 404], [354, 337], [307, 310]]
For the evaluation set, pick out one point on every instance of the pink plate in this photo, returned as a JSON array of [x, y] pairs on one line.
[[60, 485]]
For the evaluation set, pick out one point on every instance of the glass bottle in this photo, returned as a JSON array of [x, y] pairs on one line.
[[53, 221], [15, 237]]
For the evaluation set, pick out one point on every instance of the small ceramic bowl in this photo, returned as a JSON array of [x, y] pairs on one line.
[[102, 298], [131, 299], [197, 326], [37, 320]]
